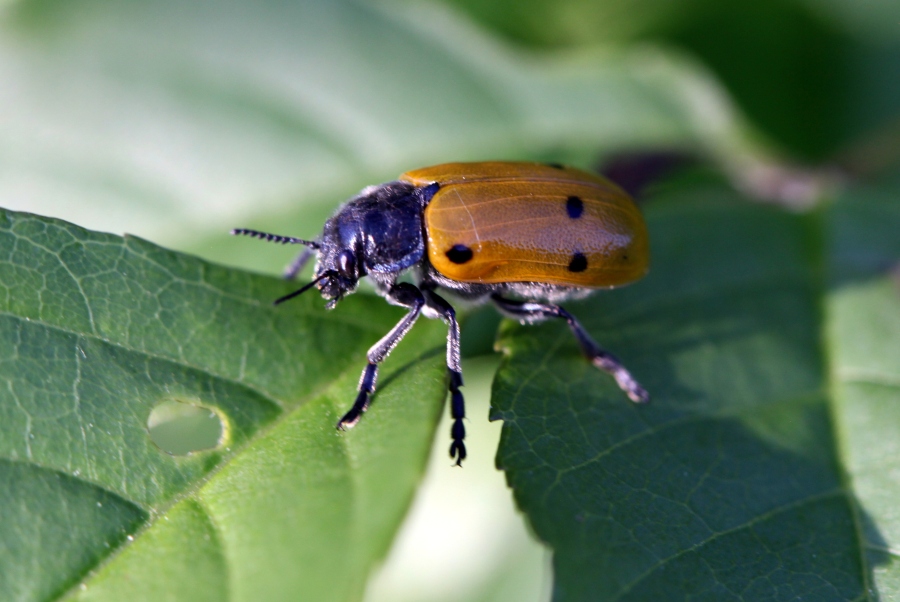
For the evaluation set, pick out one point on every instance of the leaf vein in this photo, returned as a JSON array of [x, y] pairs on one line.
[[832, 493]]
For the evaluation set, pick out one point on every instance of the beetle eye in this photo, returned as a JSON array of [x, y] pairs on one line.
[[347, 264]]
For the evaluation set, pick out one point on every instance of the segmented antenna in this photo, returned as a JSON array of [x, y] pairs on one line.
[[306, 287], [276, 238]]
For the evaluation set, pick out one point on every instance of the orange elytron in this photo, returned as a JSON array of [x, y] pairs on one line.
[[530, 222]]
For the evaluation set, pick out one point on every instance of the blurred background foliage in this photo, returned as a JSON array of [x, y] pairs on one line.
[[816, 76], [177, 121]]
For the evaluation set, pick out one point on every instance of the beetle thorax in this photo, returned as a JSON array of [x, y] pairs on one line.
[[378, 232]]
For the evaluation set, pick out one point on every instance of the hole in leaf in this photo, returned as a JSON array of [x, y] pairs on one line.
[[180, 428]]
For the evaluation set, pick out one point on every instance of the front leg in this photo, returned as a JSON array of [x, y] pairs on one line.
[[297, 265], [405, 295], [529, 310]]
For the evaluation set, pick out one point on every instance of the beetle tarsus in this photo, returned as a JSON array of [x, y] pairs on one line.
[[458, 451], [609, 364], [625, 380], [350, 419], [366, 388], [458, 413], [454, 371]]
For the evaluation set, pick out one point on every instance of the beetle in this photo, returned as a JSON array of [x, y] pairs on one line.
[[524, 236]]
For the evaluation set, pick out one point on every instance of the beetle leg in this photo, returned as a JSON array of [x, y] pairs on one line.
[[296, 266], [457, 403], [405, 295], [529, 310]]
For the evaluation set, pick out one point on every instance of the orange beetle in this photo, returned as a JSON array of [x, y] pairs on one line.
[[540, 232]]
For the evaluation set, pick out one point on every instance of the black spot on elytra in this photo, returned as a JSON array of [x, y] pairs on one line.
[[574, 207], [459, 254], [578, 263]]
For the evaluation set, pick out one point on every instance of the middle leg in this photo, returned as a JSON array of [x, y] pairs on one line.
[[457, 403]]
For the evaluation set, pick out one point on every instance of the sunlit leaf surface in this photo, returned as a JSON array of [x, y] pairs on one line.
[[98, 331]]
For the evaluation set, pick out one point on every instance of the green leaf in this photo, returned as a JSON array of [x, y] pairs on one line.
[[98, 330], [178, 121], [764, 468]]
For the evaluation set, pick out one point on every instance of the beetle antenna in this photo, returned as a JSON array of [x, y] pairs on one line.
[[276, 238], [306, 287]]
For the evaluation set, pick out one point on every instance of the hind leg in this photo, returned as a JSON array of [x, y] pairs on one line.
[[529, 310]]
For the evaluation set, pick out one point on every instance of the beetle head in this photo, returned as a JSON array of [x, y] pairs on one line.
[[337, 273]]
